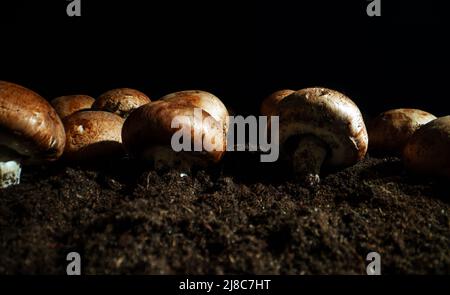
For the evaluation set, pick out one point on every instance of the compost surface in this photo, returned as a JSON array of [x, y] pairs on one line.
[[243, 217]]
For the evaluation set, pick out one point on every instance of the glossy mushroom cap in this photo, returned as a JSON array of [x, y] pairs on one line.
[[390, 130], [147, 134], [268, 106], [69, 104], [93, 135], [204, 100], [330, 116], [120, 101], [427, 152], [320, 126], [29, 126]]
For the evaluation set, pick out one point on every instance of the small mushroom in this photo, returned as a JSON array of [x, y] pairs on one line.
[[427, 152], [92, 135], [147, 133], [204, 100], [320, 127], [120, 101], [268, 106], [69, 104], [31, 131], [390, 130]]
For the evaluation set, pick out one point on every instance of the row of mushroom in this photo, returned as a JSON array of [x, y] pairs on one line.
[[319, 128]]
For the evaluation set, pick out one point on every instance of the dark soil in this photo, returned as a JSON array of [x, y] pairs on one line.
[[242, 217]]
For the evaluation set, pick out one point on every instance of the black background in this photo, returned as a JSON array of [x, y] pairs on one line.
[[278, 285], [239, 50]]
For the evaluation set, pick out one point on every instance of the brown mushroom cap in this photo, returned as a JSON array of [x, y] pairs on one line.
[[427, 152], [269, 104], [329, 116], [92, 135], [120, 101], [29, 125], [147, 133], [69, 104], [204, 100], [390, 130]]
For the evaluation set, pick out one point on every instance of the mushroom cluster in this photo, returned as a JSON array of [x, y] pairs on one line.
[[391, 130], [427, 152], [418, 137], [93, 127], [77, 128], [319, 129]]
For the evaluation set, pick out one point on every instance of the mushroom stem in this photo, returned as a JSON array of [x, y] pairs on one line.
[[9, 173], [308, 158], [165, 158], [10, 168]]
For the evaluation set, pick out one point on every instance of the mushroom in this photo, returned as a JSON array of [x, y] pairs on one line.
[[120, 101], [320, 127], [148, 133], [204, 100], [390, 130], [31, 131], [69, 104], [268, 106], [92, 135], [427, 152]]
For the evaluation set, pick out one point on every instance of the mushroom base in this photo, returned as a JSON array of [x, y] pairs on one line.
[[9, 173], [308, 158], [164, 158]]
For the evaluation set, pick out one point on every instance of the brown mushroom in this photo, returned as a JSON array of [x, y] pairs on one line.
[[427, 152], [390, 130], [268, 106], [93, 135], [148, 132], [204, 100], [31, 131], [69, 104], [320, 127], [120, 101]]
